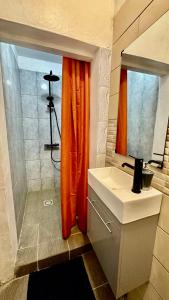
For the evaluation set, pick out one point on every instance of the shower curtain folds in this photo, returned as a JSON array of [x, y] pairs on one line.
[[74, 144], [121, 138]]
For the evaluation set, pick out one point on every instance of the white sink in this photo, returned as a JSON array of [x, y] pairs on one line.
[[113, 186]]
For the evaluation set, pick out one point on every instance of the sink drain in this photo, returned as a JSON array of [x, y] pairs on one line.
[[48, 202]]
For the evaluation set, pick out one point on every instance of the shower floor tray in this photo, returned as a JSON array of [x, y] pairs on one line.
[[41, 244]]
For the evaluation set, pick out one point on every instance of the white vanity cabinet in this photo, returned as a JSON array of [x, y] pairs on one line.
[[124, 250]]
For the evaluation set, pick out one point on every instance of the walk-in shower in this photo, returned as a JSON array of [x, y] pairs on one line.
[[52, 146], [32, 118]]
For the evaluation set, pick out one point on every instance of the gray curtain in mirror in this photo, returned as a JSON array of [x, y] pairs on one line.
[[142, 106]]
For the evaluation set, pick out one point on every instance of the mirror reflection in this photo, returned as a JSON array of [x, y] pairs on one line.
[[144, 97]]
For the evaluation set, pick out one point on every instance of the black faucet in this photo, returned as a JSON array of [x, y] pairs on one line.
[[127, 165], [158, 162], [137, 179]]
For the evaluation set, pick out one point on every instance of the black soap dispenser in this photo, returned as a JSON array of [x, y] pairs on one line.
[[147, 176]]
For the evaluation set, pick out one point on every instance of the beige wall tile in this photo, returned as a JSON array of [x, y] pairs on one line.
[[164, 214], [152, 13], [115, 81], [126, 39], [147, 292], [1, 178], [144, 292], [100, 160], [127, 14], [161, 248], [113, 106], [160, 279], [101, 137], [94, 109], [100, 85], [103, 103], [116, 56], [104, 67]]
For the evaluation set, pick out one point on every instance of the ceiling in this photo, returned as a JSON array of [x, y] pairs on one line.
[[36, 54]]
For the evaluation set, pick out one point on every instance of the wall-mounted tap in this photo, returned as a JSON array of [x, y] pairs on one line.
[[158, 162], [127, 165], [137, 179]]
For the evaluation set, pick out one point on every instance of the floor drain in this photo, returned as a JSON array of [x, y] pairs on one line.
[[48, 202]]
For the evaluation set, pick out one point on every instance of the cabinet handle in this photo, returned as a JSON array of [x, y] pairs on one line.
[[105, 224]]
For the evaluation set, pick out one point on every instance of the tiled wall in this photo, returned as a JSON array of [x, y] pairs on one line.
[[8, 236], [99, 99], [39, 169], [13, 110], [134, 18]]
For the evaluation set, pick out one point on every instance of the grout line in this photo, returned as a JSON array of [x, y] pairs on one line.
[[161, 263], [85, 253], [135, 19], [22, 248], [26, 200], [76, 233], [37, 250], [115, 69], [156, 290], [68, 248], [99, 286], [162, 229]]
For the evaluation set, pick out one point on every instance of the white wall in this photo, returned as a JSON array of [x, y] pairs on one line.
[[87, 21]]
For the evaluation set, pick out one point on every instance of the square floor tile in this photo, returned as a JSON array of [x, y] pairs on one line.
[[26, 261], [52, 252], [78, 244], [93, 269], [104, 293]]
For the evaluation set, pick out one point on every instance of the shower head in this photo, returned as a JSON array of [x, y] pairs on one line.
[[51, 77]]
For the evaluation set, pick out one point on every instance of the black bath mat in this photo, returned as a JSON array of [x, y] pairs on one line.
[[67, 281]]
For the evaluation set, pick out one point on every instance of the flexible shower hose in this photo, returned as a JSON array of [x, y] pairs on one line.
[[57, 123]]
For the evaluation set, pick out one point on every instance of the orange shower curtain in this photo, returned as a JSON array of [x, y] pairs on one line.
[[74, 144], [121, 139]]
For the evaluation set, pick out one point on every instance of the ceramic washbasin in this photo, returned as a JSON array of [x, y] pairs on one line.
[[113, 186]]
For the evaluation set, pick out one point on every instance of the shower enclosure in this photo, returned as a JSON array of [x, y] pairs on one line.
[[33, 114], [32, 101]]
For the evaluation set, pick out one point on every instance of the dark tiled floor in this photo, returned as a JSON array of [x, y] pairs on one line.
[[94, 270], [98, 281], [41, 244], [16, 290]]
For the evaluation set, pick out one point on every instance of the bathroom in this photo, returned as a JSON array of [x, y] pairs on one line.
[[37, 242]]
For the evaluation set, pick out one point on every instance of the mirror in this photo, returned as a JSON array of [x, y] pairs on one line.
[[144, 94]]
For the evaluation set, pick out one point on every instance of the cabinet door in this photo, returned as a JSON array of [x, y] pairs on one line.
[[105, 239]]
